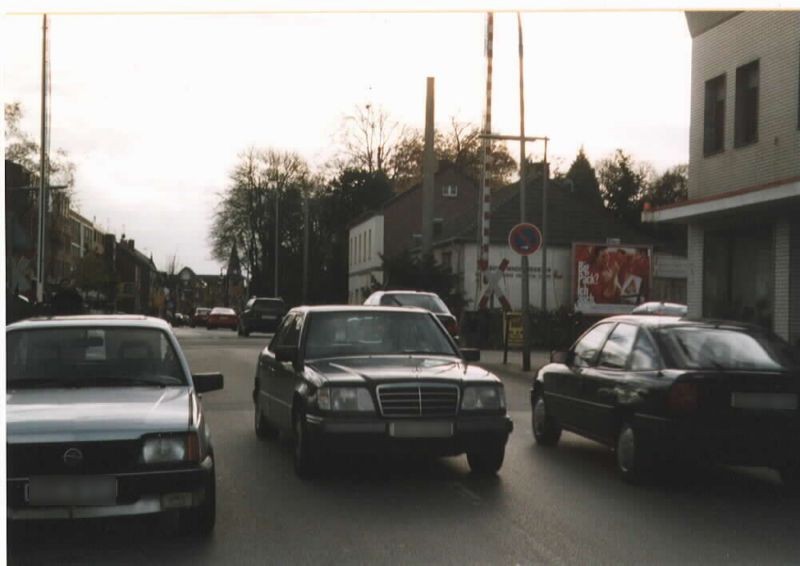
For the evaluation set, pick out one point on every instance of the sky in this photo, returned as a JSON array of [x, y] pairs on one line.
[[154, 109]]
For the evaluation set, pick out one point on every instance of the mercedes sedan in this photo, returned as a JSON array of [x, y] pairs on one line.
[[666, 390], [377, 379], [104, 419]]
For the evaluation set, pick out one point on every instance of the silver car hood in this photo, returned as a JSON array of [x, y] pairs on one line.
[[94, 413]]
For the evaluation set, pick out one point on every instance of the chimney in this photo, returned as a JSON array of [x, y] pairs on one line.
[[130, 244]]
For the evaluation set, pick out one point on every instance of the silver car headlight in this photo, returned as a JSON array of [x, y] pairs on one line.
[[345, 399], [483, 398], [170, 449]]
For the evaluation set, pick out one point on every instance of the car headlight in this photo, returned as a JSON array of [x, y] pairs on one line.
[[483, 398], [353, 399], [170, 449]]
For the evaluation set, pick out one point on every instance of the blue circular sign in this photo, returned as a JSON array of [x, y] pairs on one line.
[[525, 239]]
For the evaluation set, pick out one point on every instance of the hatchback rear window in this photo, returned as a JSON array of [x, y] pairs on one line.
[[427, 302], [269, 305]]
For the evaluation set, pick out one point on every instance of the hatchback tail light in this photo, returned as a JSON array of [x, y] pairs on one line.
[[683, 397]]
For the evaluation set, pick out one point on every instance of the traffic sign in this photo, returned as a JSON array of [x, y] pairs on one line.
[[525, 239]]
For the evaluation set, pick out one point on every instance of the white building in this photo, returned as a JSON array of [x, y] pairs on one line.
[[364, 257], [743, 210]]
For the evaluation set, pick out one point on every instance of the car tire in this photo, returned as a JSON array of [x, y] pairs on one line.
[[633, 455], [201, 520], [546, 430], [305, 453], [243, 330], [487, 462]]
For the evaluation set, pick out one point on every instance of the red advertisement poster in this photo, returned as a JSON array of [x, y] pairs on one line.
[[610, 279]]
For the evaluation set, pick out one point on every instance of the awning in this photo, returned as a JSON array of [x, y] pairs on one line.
[[772, 196]]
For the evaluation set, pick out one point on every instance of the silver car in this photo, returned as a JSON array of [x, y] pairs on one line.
[[104, 419]]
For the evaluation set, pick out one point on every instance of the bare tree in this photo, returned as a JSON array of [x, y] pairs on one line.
[[369, 137]]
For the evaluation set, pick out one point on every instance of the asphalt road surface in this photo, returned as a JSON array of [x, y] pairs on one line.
[[554, 506]]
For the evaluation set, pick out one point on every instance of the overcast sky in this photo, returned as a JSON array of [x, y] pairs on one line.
[[153, 109]]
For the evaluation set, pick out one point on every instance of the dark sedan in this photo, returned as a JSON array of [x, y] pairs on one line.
[[375, 379], [665, 390], [261, 314]]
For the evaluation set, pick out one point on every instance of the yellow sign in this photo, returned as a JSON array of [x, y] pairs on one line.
[[513, 329]]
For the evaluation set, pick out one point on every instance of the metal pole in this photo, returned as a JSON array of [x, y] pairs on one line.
[[545, 182], [428, 169], [484, 195], [277, 212], [40, 248], [305, 246], [526, 342]]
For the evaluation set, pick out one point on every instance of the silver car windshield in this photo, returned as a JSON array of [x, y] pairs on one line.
[[334, 334], [91, 357], [427, 302]]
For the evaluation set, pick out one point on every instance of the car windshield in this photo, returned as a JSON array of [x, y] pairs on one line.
[[268, 305], [224, 311], [91, 357], [334, 334], [696, 347], [427, 302]]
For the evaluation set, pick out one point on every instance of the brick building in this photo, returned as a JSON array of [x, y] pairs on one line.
[[743, 211]]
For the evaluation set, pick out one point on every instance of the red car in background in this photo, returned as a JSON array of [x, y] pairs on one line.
[[222, 317]]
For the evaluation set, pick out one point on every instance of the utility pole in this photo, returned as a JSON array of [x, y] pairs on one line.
[[428, 167], [305, 246], [484, 195], [41, 271], [526, 325], [545, 182], [277, 246]]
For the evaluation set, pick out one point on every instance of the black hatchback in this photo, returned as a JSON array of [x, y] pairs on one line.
[[261, 314], [665, 390]]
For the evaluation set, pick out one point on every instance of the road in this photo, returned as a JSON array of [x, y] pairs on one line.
[[557, 506]]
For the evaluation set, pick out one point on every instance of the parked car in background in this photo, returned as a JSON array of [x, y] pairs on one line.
[[222, 317], [261, 314], [200, 316], [104, 419], [663, 390], [374, 380], [419, 299], [661, 308]]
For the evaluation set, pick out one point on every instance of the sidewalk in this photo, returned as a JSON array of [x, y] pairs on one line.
[[493, 361]]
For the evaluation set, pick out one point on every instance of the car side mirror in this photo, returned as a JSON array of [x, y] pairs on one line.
[[471, 354], [560, 357], [204, 382], [285, 353]]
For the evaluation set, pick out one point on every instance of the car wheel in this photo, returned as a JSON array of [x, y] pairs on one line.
[[487, 462], [306, 455], [633, 455], [200, 520], [245, 332], [263, 429], [546, 430]]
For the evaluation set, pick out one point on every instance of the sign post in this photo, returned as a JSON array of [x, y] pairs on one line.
[[525, 239]]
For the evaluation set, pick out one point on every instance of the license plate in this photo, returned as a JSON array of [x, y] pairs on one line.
[[72, 490], [777, 401], [421, 430], [267, 317]]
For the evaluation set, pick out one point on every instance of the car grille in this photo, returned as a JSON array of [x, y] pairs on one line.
[[418, 400], [48, 458]]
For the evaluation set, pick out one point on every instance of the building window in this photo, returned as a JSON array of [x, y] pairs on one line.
[[450, 191], [745, 128], [738, 281], [714, 116]]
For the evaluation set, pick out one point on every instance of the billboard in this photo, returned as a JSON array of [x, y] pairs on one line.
[[610, 278]]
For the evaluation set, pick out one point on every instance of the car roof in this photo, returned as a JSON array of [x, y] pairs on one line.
[[668, 321], [404, 292], [77, 321], [357, 308]]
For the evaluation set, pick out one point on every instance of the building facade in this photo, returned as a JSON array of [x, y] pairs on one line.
[[365, 266], [743, 211]]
